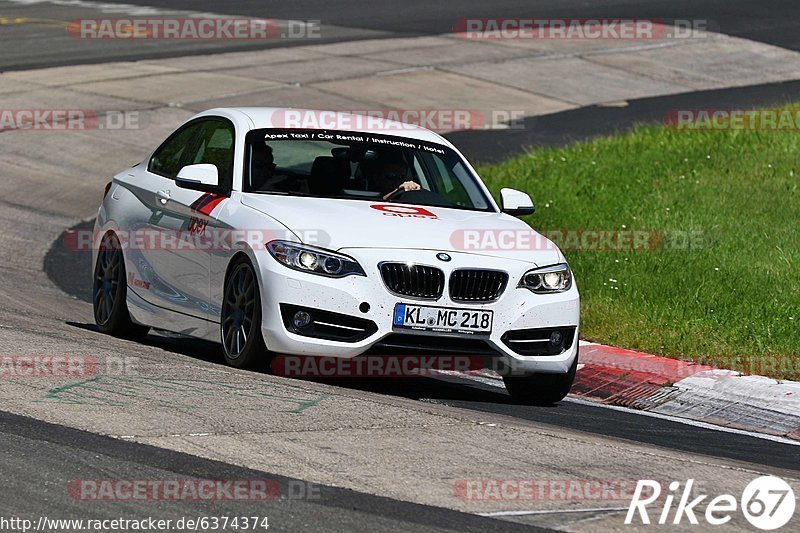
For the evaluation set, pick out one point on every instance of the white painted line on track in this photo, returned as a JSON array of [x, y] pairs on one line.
[[686, 421], [552, 511]]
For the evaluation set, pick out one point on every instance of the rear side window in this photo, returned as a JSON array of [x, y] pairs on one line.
[[205, 141]]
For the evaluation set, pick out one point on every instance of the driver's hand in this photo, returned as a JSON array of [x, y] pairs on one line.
[[409, 186]]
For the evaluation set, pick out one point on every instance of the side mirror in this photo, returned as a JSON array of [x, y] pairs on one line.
[[202, 177], [516, 203]]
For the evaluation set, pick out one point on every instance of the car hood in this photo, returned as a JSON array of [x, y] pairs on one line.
[[337, 224]]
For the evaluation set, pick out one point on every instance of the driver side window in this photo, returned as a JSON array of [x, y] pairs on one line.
[[203, 141], [171, 156]]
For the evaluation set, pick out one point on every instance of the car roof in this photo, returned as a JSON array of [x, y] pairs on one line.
[[317, 119]]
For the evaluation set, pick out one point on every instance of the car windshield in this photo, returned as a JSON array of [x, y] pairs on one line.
[[359, 166]]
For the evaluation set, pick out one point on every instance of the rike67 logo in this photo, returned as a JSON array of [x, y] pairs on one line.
[[767, 502]]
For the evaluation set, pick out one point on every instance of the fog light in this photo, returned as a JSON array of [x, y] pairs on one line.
[[556, 337], [301, 319]]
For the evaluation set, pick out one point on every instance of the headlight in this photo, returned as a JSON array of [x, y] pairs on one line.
[[555, 278], [314, 260]]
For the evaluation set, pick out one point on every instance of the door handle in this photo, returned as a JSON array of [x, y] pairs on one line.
[[163, 197]]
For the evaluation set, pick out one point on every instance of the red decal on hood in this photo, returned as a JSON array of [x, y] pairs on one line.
[[404, 211]]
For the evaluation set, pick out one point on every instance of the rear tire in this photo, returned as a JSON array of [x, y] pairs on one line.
[[541, 389], [240, 320], [110, 292]]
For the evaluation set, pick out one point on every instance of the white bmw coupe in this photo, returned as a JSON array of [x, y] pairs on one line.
[[368, 236]]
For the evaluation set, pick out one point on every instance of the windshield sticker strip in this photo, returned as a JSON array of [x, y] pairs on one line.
[[346, 137]]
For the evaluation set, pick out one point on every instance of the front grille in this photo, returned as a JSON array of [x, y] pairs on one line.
[[416, 281], [474, 285]]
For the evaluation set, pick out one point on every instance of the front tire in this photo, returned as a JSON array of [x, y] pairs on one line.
[[240, 324], [110, 291], [541, 389]]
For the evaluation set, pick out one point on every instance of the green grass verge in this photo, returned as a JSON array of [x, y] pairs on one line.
[[732, 297]]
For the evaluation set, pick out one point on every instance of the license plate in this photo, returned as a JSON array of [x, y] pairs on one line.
[[442, 319]]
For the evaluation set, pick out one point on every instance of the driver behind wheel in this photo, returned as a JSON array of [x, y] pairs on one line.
[[395, 177]]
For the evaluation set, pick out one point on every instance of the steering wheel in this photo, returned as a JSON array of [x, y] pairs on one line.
[[396, 194], [421, 197]]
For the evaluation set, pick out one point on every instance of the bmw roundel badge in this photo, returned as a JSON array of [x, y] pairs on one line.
[[441, 256]]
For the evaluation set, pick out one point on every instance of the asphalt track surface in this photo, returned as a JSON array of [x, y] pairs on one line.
[[556, 129], [621, 424], [60, 263], [771, 22], [64, 454], [96, 456]]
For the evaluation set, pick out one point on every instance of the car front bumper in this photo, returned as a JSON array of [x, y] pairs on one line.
[[516, 309]]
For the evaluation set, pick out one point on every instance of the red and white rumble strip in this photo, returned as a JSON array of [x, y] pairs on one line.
[[687, 390], [681, 389]]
